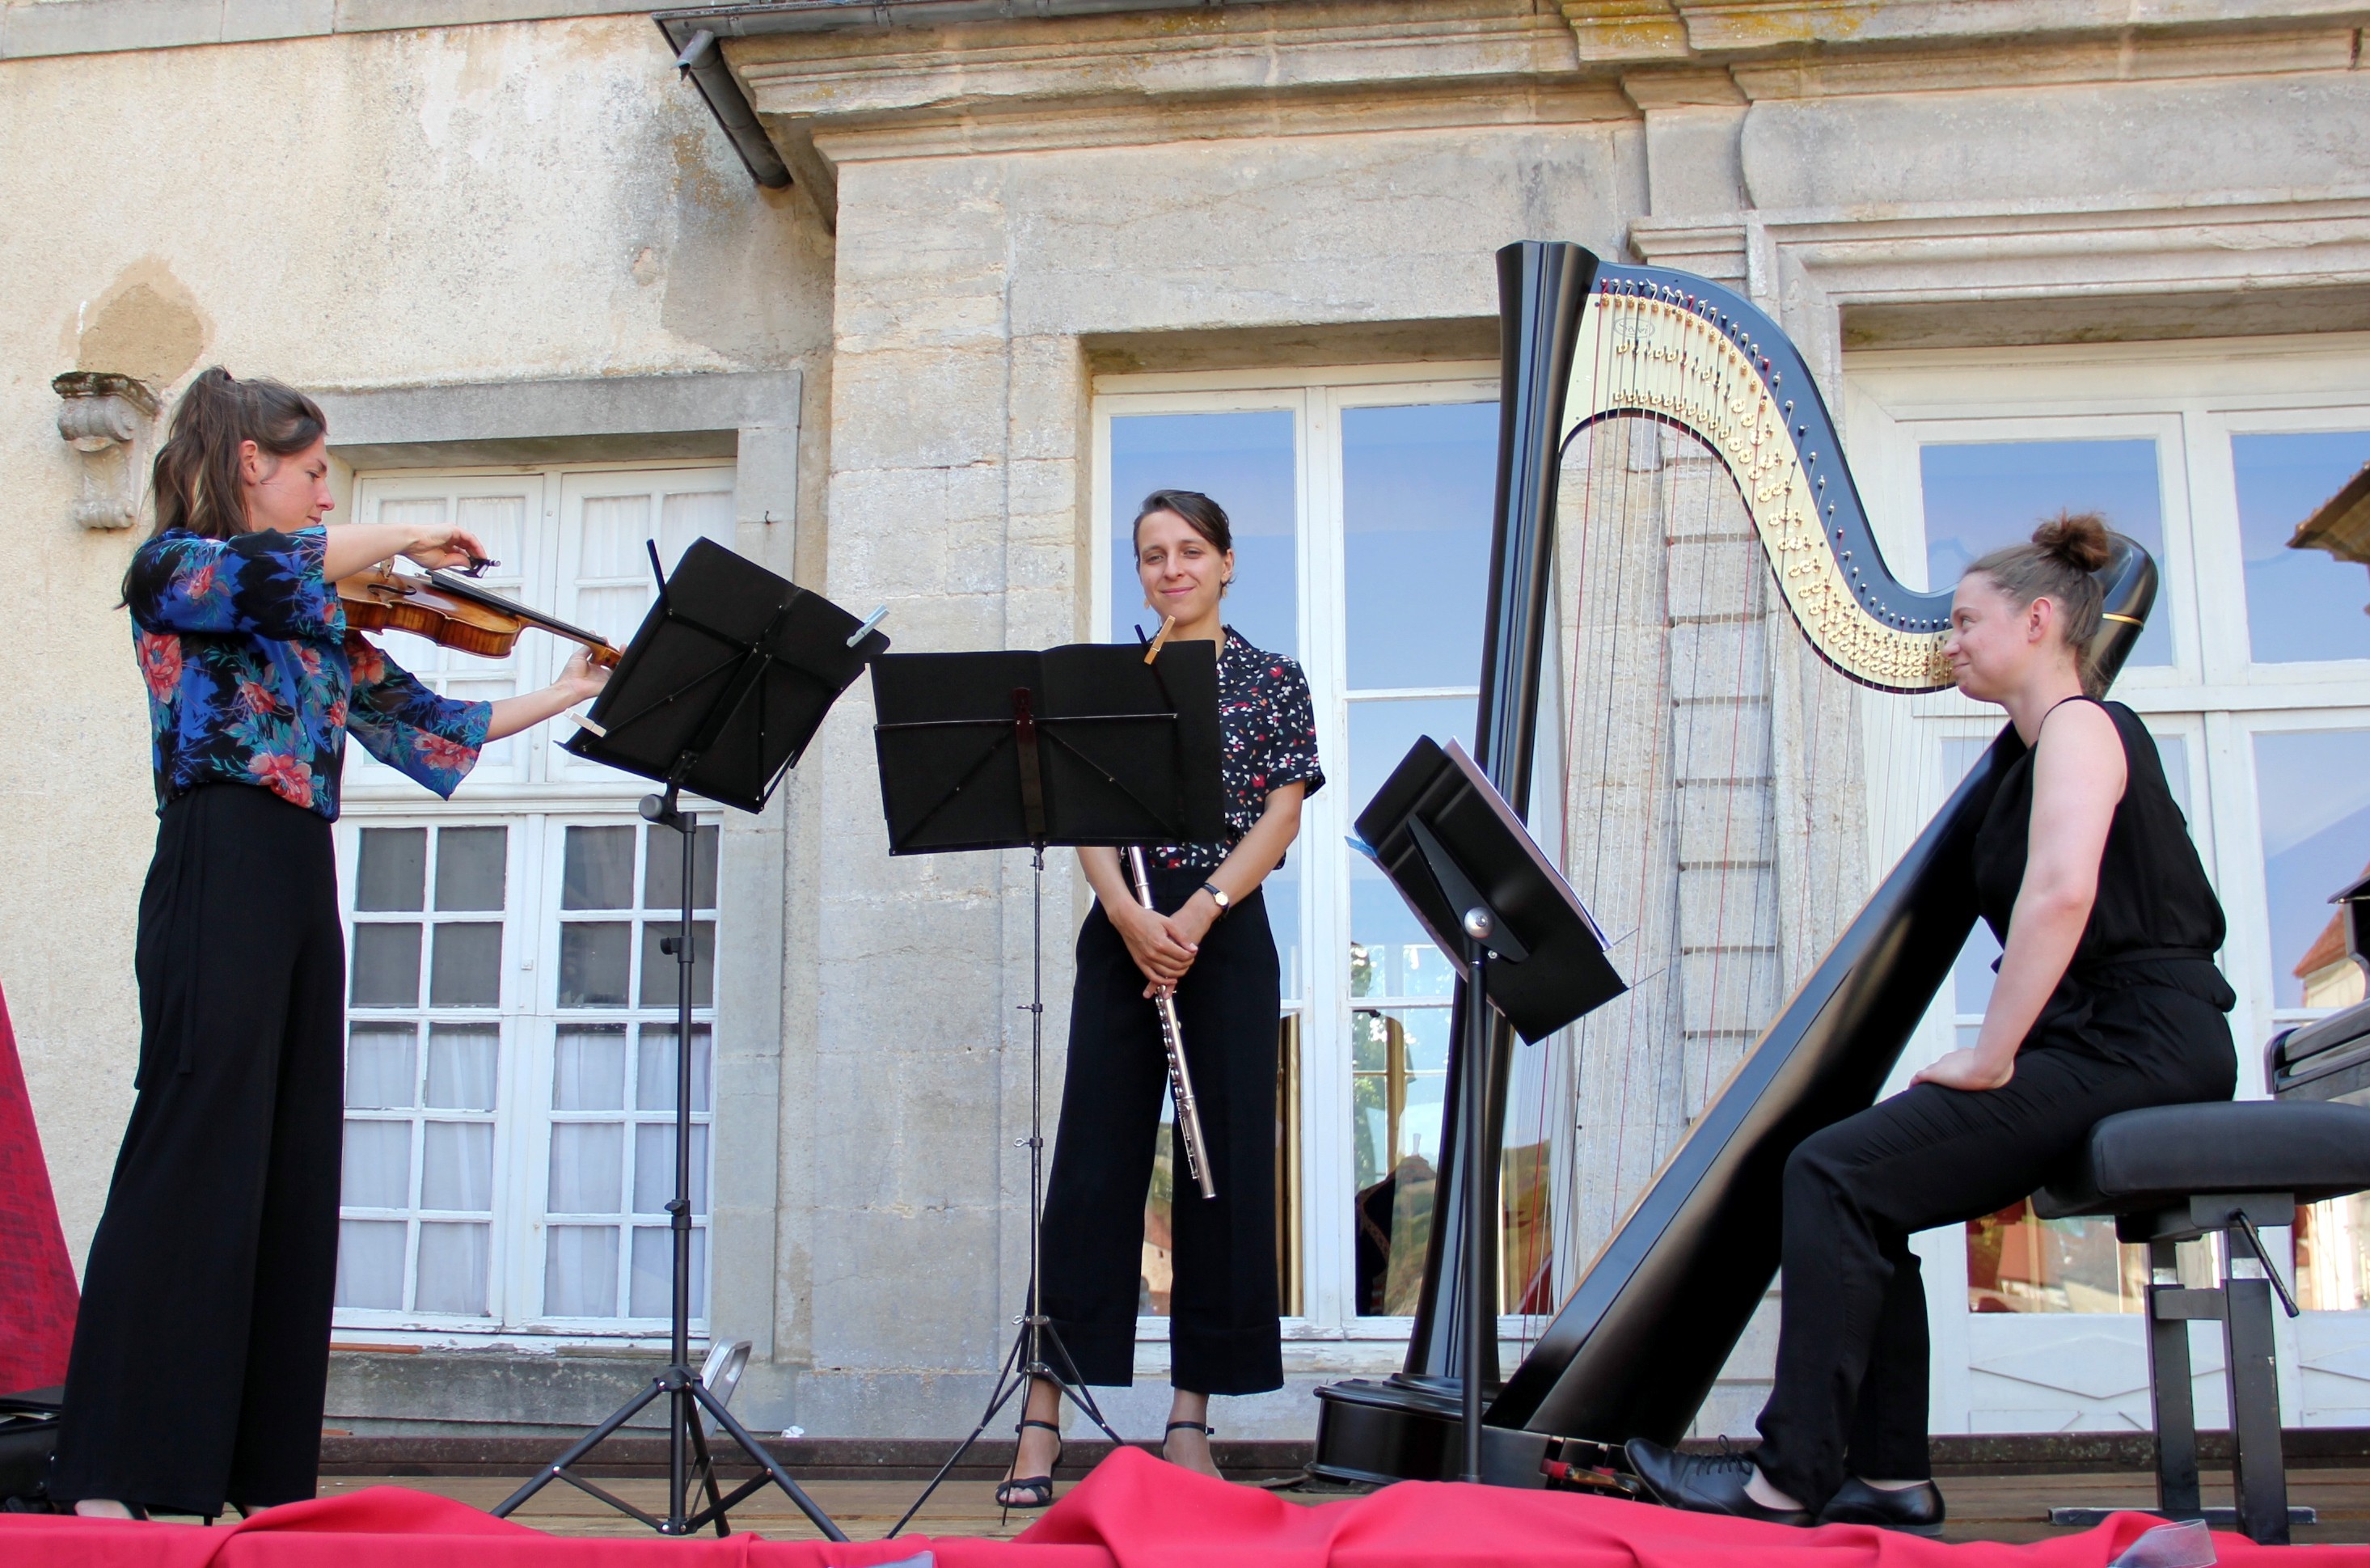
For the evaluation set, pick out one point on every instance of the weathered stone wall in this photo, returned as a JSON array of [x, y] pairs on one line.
[[480, 204]]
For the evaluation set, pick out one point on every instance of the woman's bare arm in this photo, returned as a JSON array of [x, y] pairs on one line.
[[2078, 775]]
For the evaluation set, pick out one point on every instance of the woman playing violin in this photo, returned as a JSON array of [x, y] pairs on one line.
[[200, 1356]]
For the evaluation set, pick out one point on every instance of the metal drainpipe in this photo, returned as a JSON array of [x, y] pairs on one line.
[[704, 63]]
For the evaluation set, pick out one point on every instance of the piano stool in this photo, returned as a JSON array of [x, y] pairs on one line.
[[2175, 1173]]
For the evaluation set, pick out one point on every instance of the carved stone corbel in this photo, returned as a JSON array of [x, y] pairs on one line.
[[111, 421]]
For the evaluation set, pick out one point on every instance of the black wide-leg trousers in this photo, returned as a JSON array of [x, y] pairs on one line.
[[200, 1358], [1224, 1335], [1850, 1394]]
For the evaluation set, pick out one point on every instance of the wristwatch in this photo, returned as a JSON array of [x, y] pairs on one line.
[[1218, 896]]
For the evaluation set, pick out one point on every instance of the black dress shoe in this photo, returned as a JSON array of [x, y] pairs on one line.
[[1705, 1483], [1917, 1509]]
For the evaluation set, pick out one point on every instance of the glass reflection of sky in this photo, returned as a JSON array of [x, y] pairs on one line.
[[1282, 891], [1417, 487], [1399, 959], [2312, 790], [1245, 462], [2300, 604], [1982, 495], [1971, 977]]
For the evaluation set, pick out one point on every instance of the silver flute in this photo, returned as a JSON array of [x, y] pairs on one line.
[[1172, 1040]]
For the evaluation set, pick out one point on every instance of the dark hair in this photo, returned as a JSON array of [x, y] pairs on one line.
[[196, 478], [2059, 565], [1202, 514]]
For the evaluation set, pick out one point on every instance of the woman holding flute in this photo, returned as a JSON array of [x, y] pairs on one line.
[[1204, 944]]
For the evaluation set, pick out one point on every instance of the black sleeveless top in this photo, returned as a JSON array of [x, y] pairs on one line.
[[2155, 919]]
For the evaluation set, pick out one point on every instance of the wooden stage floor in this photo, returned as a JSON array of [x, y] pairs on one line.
[[1983, 1508]]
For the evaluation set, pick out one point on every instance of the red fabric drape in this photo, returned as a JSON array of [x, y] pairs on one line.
[[1132, 1512], [37, 1283]]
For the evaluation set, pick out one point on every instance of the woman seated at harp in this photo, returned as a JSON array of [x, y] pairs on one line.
[[2107, 1000], [1208, 943]]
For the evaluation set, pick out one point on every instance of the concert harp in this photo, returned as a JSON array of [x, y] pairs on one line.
[[1621, 372]]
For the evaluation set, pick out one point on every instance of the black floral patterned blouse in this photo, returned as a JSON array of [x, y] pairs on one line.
[[253, 677], [1269, 728]]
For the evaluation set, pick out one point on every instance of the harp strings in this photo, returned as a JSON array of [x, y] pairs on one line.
[[1716, 770]]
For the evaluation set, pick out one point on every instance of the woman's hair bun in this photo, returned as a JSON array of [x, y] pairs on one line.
[[2077, 538]]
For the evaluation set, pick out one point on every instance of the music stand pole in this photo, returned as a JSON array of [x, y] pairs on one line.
[[721, 689], [1027, 1359]]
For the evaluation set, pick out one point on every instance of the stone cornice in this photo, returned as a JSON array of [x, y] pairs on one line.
[[1314, 67]]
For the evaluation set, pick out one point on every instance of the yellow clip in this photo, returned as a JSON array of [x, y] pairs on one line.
[[1167, 625]]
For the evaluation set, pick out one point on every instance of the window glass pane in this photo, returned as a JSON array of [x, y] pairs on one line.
[[597, 868], [654, 1083], [661, 986], [654, 1166], [653, 1268], [380, 1059], [452, 1269], [587, 1167], [496, 520], [614, 529], [2301, 604], [1417, 487], [580, 1272], [386, 966], [1390, 954], [456, 1167], [662, 868], [370, 1263], [1982, 495], [2332, 1255], [2018, 1262], [1399, 1066], [592, 963], [393, 869], [1245, 462], [691, 514], [376, 1165], [467, 972], [470, 863], [461, 1061], [1281, 894], [589, 1068], [2312, 788]]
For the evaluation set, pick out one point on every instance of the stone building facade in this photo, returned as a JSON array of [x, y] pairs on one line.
[[2037, 253]]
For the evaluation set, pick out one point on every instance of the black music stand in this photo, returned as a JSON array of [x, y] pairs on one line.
[[1485, 892], [719, 692], [1090, 744]]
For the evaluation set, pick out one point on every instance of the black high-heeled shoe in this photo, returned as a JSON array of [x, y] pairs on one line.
[[1032, 1490], [1184, 1426]]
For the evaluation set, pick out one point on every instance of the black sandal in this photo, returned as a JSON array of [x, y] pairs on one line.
[[1183, 1426], [1032, 1490]]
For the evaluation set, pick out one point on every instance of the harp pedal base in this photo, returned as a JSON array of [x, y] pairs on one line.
[[1372, 1431]]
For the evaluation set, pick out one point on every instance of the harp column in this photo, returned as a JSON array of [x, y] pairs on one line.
[[1542, 286]]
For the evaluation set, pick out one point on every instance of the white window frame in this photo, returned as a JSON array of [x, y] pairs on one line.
[[537, 796]]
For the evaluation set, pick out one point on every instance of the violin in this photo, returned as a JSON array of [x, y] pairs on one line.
[[453, 612]]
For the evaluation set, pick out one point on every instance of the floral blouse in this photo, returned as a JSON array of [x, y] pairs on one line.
[[254, 678], [1268, 726]]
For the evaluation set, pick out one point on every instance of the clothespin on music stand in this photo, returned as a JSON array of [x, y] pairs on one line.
[[1159, 638]]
